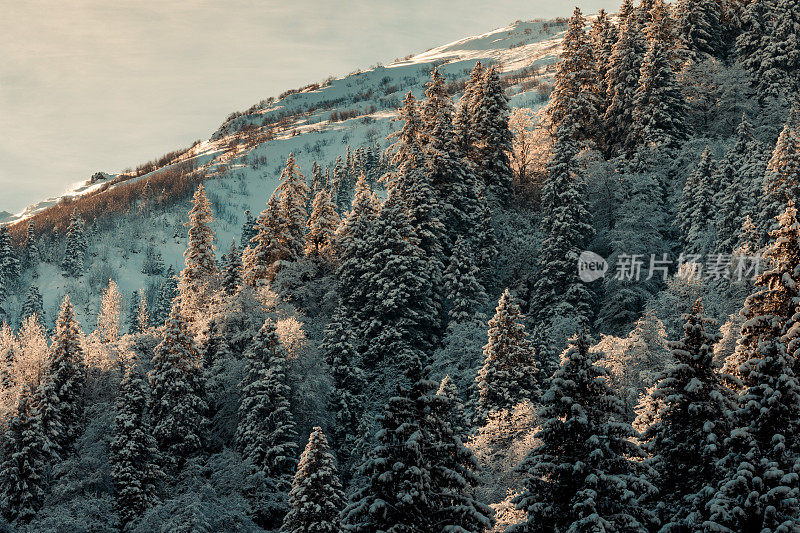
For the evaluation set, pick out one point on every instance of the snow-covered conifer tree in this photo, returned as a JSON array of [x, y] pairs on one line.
[[684, 434], [316, 499], [266, 435], [322, 224], [293, 197], [33, 305], [509, 372], [464, 292], [75, 250], [582, 477], [9, 263], [134, 452], [231, 275], [177, 404], [697, 202], [700, 28], [782, 179], [603, 35], [419, 474], [200, 276], [21, 468], [60, 401]]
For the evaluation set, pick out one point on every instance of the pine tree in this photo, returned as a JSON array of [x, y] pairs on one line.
[[21, 469], [449, 173], [32, 255], [9, 351], [316, 499], [199, 278], [603, 35], [695, 211], [683, 435], [419, 474], [493, 138], [739, 176], [700, 28], [266, 435], [231, 278], [774, 298], [248, 228], [464, 119], [293, 193], [779, 69], [457, 415], [622, 82], [75, 251], [659, 110], [167, 292], [61, 394], [133, 313], [401, 312], [760, 487], [348, 383], [463, 290], [108, 316], [9, 263], [567, 229], [509, 372], [575, 90], [782, 180], [33, 305], [582, 476], [134, 452], [322, 224], [177, 404], [267, 247]]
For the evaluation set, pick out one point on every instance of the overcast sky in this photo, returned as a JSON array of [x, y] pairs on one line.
[[88, 85]]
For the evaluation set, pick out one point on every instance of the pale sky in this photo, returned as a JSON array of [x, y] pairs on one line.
[[90, 85]]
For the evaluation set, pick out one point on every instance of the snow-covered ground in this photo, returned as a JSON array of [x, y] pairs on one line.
[[243, 176]]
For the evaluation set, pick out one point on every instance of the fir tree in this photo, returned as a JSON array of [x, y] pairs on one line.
[[509, 373], [33, 305], [134, 452], [567, 229], [401, 313], [493, 138], [267, 247], [464, 118], [582, 477], [199, 277], [779, 68], [695, 212], [754, 39], [622, 82], [231, 278], [419, 474], [463, 290], [659, 110], [316, 499], [450, 175], [684, 434], [266, 435], [21, 469], [322, 224], [9, 351], [248, 228], [457, 415], [603, 35], [774, 298], [700, 28], [739, 176], [575, 90], [348, 383], [177, 404], [75, 251], [782, 180], [293, 193], [32, 255], [134, 309], [9, 263], [167, 292], [760, 487], [61, 393]]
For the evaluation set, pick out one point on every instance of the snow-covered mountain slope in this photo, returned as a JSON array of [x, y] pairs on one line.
[[244, 157]]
